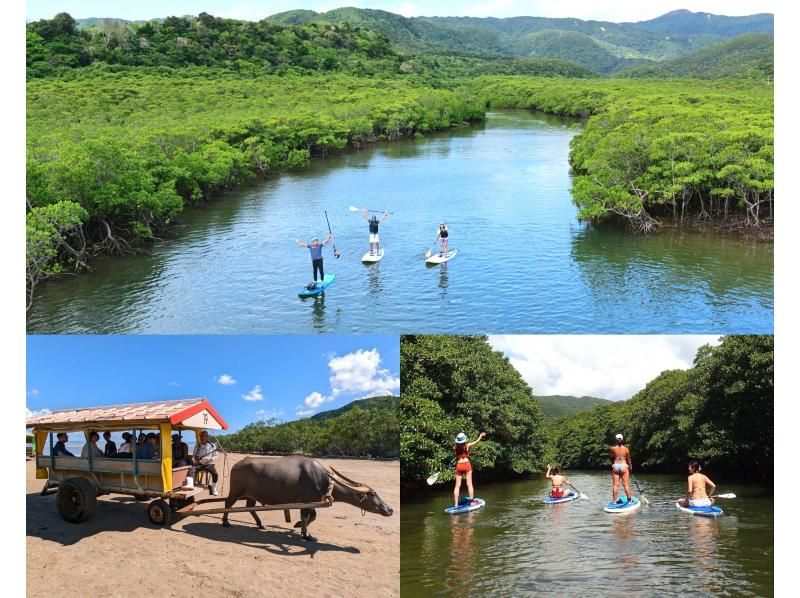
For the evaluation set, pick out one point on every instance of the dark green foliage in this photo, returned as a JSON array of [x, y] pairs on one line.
[[720, 412], [206, 40], [459, 384], [748, 56], [366, 428], [556, 406]]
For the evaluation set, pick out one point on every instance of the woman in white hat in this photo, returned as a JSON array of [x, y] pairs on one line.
[[463, 466], [621, 468]]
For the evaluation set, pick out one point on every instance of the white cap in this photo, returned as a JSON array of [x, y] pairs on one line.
[[619, 436]]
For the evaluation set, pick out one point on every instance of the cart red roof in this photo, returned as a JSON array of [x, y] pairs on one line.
[[188, 413]]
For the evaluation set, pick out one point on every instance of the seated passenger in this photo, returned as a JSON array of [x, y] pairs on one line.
[[110, 449], [60, 449], [126, 448], [91, 446], [180, 452], [148, 449]]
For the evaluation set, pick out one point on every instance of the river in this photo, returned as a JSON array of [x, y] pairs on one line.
[[524, 263], [516, 545]]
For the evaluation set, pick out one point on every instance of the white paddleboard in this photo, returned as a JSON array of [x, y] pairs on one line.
[[441, 259], [370, 258], [710, 511]]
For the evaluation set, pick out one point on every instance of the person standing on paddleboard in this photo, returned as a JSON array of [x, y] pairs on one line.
[[443, 236], [557, 480], [697, 496], [374, 239], [463, 466], [316, 256], [621, 468]]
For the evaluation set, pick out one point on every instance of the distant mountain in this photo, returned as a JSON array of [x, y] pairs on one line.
[[601, 46], [369, 404], [697, 23], [556, 406], [747, 56]]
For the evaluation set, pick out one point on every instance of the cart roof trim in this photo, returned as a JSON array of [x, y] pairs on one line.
[[189, 413]]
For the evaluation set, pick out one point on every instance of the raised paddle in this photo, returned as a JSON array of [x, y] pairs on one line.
[[355, 209], [581, 494], [729, 495], [335, 251], [644, 498], [427, 255]]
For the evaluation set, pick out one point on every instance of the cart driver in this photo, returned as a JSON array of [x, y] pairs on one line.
[[205, 453]]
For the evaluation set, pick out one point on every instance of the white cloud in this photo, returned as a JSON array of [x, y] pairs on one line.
[[300, 412], [173, 383], [225, 380], [266, 414], [254, 395], [36, 413], [360, 373], [315, 399], [608, 366], [32, 392]]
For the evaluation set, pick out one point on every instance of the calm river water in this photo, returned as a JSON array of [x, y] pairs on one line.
[[524, 263], [516, 545]]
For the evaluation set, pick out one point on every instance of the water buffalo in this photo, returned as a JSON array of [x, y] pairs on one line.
[[296, 479]]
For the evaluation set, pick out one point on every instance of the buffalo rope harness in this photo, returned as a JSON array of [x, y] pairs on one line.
[[361, 489]]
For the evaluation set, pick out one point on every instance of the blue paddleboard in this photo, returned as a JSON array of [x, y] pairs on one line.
[[465, 506], [622, 506], [711, 511], [327, 281], [549, 500]]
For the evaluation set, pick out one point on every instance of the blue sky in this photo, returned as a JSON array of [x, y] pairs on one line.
[[618, 11], [246, 378]]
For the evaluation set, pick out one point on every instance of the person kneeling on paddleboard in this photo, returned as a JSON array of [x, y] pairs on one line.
[[443, 234], [374, 239], [621, 468], [697, 496], [557, 480], [316, 257], [463, 466]]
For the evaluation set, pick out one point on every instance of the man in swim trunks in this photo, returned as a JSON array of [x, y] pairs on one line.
[[621, 468], [463, 466], [374, 239], [557, 480], [697, 496], [316, 256]]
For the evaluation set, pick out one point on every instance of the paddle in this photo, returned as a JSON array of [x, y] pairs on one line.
[[427, 255], [729, 495], [335, 251], [644, 498], [355, 209], [581, 494], [432, 479]]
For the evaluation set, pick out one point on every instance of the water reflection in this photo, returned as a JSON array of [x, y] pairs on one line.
[[462, 554]]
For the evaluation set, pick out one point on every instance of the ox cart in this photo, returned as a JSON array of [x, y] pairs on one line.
[[78, 481]]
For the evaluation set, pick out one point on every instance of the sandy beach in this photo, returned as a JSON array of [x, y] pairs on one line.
[[118, 552]]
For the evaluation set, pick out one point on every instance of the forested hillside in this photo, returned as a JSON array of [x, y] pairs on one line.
[[367, 428], [556, 406], [749, 56]]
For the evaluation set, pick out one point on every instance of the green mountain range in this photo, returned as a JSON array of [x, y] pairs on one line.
[[556, 406], [601, 46]]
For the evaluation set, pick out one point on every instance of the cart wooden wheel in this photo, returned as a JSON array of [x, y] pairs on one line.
[[76, 499], [159, 512]]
